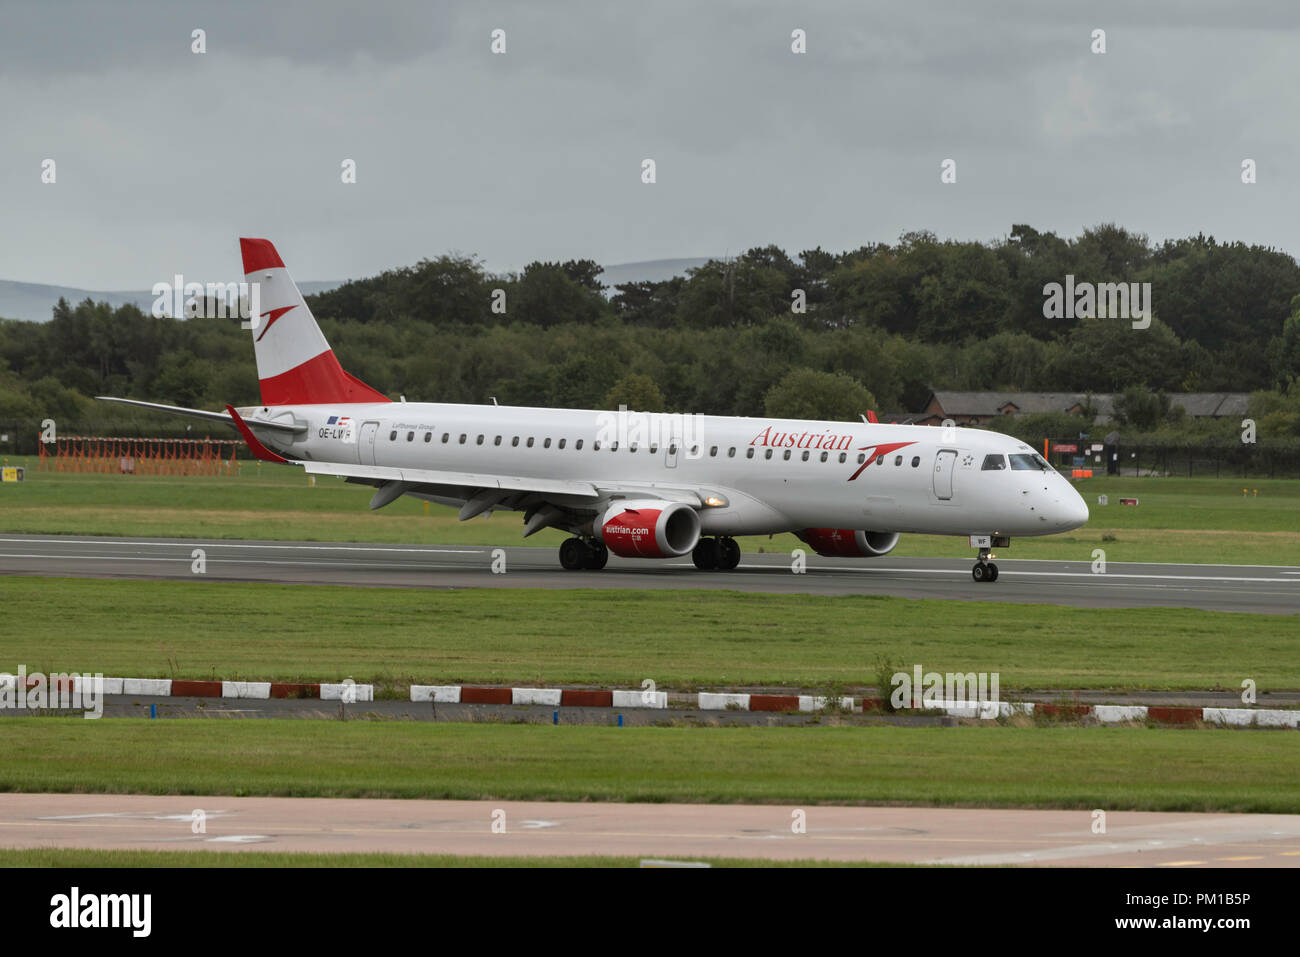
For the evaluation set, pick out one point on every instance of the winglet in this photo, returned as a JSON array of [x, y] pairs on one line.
[[251, 440], [871, 416]]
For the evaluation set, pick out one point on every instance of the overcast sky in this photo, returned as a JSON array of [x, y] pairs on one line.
[[165, 157]]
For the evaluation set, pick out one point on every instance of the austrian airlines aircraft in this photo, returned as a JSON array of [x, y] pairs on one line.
[[662, 487]]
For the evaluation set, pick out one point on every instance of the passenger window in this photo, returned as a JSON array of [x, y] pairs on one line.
[[824, 456], [805, 456], [428, 437], [514, 443], [578, 445], [595, 445], [631, 447], [731, 452], [392, 436], [462, 438], [613, 446], [713, 451], [916, 461], [560, 443], [410, 436], [843, 457], [993, 463], [497, 441], [445, 437], [787, 455], [530, 441], [546, 443], [479, 441], [898, 460], [767, 454], [694, 452], [654, 449], [749, 452], [880, 460], [861, 459]]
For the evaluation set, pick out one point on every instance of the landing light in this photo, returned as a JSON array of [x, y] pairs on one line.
[[714, 500]]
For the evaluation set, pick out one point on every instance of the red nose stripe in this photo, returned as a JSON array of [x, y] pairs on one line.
[[320, 379], [259, 254]]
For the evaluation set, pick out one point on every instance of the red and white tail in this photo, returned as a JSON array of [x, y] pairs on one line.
[[295, 365]]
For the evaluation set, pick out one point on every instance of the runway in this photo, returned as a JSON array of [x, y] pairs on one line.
[[1269, 589], [964, 836]]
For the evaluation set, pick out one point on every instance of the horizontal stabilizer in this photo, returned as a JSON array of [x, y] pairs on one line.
[[203, 414]]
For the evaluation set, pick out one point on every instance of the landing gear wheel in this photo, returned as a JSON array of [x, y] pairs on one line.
[[598, 556], [728, 554], [981, 572], [574, 554], [993, 572], [706, 554]]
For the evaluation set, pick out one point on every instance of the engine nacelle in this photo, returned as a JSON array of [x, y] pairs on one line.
[[650, 528], [847, 543]]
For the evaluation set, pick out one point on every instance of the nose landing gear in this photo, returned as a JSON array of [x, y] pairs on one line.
[[985, 570]]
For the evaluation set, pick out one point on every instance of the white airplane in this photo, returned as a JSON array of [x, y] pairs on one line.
[[637, 485]]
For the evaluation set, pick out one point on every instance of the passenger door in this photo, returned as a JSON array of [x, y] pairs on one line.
[[944, 463], [366, 443]]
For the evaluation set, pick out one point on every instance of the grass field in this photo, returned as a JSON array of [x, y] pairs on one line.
[[1134, 768], [79, 858], [683, 640], [1178, 520]]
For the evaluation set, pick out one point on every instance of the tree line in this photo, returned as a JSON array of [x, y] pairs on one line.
[[816, 334]]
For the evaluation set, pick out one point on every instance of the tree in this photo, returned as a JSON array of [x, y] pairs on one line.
[[809, 394], [637, 392]]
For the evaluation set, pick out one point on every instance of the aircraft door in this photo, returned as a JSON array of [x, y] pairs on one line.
[[366, 443], [943, 468]]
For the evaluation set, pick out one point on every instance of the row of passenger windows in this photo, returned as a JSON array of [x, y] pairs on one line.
[[672, 449]]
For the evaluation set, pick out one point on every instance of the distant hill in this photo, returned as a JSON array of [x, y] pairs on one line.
[[35, 302], [654, 270]]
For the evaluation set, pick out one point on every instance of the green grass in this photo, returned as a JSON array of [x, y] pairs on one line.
[[84, 858], [617, 638], [1132, 768], [1178, 520]]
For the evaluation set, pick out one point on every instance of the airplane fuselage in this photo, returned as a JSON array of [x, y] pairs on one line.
[[772, 475]]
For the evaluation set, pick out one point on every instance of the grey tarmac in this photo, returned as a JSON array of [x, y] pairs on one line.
[[1267, 589]]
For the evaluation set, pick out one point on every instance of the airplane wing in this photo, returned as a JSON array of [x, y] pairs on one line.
[[202, 414]]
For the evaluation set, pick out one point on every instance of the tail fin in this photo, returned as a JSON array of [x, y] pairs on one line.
[[295, 365]]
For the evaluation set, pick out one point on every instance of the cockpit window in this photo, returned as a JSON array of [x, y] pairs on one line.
[[993, 463], [1029, 462]]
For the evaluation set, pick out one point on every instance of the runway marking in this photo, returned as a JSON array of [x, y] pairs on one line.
[[1247, 857], [1011, 572], [1179, 863]]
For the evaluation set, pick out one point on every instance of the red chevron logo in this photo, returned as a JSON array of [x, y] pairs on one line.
[[274, 314], [878, 450]]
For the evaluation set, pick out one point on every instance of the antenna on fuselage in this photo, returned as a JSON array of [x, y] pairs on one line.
[[494, 399]]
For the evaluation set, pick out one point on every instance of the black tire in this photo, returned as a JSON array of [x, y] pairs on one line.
[[706, 554], [728, 554], [597, 556], [573, 554], [993, 572], [980, 572]]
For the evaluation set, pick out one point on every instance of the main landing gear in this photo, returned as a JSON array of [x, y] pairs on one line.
[[984, 570], [721, 554], [577, 554]]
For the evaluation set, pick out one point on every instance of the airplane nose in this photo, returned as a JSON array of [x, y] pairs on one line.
[[1071, 510]]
